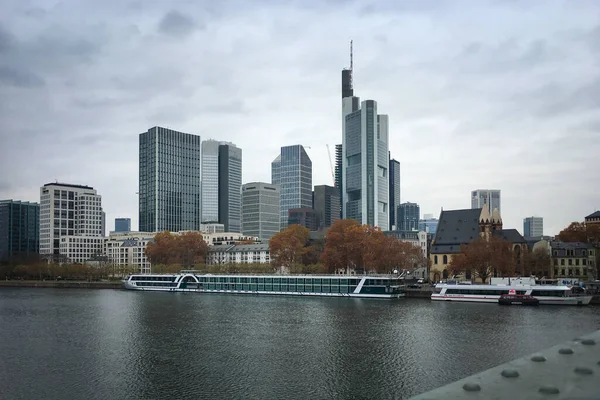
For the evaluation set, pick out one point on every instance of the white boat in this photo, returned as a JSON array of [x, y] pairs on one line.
[[546, 294], [368, 286]]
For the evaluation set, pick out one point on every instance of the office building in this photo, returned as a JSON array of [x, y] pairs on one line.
[[260, 210], [327, 205], [491, 198], [210, 181], [365, 158], [230, 187], [19, 229], [365, 166], [408, 216], [292, 171], [338, 174], [127, 249], [170, 181], [428, 224], [68, 211], [394, 191], [122, 225], [307, 217], [533, 226]]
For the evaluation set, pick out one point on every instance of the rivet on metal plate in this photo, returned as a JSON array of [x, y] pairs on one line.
[[549, 390], [471, 387], [510, 373], [565, 351]]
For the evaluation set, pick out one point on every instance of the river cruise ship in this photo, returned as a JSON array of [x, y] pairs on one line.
[[368, 286], [546, 294]]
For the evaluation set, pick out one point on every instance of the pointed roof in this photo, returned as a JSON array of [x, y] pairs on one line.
[[455, 227], [594, 215], [510, 235], [485, 214], [496, 215]]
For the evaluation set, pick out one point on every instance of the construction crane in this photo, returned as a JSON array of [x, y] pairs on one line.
[[331, 165]]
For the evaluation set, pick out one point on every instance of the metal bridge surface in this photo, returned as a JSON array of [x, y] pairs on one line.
[[568, 371]]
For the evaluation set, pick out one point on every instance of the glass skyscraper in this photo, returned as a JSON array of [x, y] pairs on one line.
[[491, 198], [533, 226], [122, 224], [170, 181], [292, 170], [210, 181], [408, 216], [19, 229], [230, 187], [260, 205], [365, 166], [394, 192]]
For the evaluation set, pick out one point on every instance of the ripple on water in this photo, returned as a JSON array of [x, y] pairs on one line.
[[113, 344]]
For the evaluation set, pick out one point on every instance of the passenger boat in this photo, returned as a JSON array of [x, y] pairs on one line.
[[512, 298], [546, 294], [368, 286]]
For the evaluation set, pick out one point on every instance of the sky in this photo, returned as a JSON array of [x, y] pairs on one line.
[[481, 94]]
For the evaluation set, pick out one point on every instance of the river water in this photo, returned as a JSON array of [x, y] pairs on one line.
[[110, 344]]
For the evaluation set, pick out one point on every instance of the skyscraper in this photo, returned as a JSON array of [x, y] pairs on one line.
[[365, 158], [210, 181], [19, 229], [327, 205], [365, 166], [170, 181], [292, 170], [408, 216], [338, 174], [394, 191], [480, 197], [71, 216], [260, 210], [122, 224], [533, 226], [230, 186]]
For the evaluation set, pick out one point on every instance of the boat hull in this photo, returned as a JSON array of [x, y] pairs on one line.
[[177, 290], [562, 301]]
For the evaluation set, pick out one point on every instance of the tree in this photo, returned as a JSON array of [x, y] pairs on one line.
[[163, 250], [313, 252], [339, 248], [192, 248], [288, 246], [485, 258], [581, 232], [537, 262], [397, 254], [187, 249]]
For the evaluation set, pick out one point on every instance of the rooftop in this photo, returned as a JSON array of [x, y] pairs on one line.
[[594, 215], [511, 235], [456, 227], [68, 185]]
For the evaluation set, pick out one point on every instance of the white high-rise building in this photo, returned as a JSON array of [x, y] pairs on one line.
[[210, 181], [70, 211], [489, 197]]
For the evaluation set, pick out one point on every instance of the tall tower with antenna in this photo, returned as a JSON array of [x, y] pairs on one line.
[[347, 84]]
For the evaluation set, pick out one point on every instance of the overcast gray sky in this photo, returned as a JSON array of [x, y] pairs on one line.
[[480, 94]]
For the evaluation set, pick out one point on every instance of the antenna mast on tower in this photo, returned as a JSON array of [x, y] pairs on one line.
[[351, 66]]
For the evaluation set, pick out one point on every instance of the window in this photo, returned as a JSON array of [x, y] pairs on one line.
[[445, 259], [435, 260]]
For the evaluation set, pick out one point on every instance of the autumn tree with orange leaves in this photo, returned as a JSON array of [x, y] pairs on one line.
[[187, 249], [288, 246], [350, 245], [485, 258], [581, 232]]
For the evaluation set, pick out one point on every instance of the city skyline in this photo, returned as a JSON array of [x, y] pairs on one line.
[[517, 125]]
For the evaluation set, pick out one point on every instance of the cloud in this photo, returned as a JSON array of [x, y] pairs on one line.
[[483, 94], [176, 24]]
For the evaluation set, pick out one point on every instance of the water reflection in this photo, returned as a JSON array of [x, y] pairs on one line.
[[117, 344]]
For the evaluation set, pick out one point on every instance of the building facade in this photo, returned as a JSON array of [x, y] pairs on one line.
[[338, 174], [68, 210], [394, 192], [416, 238], [128, 249], [365, 165], [593, 218], [210, 181], [122, 224], [307, 217], [80, 249], [576, 261], [230, 187], [19, 229], [292, 171], [533, 226], [428, 224], [239, 254], [327, 205], [408, 216], [260, 210], [170, 181], [491, 198]]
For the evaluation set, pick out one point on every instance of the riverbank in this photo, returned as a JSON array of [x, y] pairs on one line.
[[62, 284]]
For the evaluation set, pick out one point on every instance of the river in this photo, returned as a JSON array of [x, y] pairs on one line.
[[113, 344]]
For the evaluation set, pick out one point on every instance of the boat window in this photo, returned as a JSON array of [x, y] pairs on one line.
[[551, 293]]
